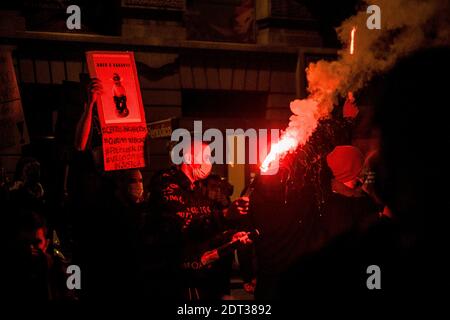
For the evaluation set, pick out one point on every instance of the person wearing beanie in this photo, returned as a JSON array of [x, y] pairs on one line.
[[348, 206], [347, 213], [345, 163]]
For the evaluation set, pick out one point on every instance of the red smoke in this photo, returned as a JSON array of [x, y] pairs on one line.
[[406, 26]]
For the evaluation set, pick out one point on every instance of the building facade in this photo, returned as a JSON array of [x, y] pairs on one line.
[[232, 64]]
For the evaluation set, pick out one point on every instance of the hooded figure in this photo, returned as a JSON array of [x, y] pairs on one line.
[[348, 206]]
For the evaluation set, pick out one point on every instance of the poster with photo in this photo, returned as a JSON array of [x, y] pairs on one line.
[[120, 109], [121, 100]]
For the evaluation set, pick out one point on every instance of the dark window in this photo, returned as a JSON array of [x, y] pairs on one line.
[[221, 20]]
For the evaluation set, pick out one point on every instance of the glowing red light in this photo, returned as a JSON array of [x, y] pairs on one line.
[[278, 149], [302, 124]]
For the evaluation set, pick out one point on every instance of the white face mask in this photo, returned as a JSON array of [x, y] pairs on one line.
[[202, 171], [201, 168]]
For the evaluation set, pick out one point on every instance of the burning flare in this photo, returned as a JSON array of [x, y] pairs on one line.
[[421, 24], [287, 143], [302, 124], [352, 41]]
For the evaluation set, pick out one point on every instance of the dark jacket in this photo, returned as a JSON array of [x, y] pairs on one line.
[[108, 232], [287, 207], [346, 210], [181, 226]]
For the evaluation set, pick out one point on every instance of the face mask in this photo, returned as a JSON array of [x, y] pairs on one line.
[[136, 192], [201, 171], [199, 166]]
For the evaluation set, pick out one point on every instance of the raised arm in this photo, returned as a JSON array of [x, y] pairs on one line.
[[84, 124]]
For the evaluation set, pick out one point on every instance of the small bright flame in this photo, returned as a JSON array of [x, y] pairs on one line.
[[285, 144], [302, 124], [352, 42]]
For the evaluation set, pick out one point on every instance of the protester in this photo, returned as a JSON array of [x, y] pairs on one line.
[[348, 206], [184, 232], [26, 191], [36, 271], [406, 246], [287, 207], [108, 233]]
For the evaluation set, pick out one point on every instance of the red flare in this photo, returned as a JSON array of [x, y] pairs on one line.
[[278, 149], [352, 41]]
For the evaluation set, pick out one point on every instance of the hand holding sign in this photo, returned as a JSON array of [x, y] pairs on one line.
[[95, 90], [115, 90]]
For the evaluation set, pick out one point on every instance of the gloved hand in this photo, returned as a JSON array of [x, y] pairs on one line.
[[95, 89], [242, 236], [209, 257]]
